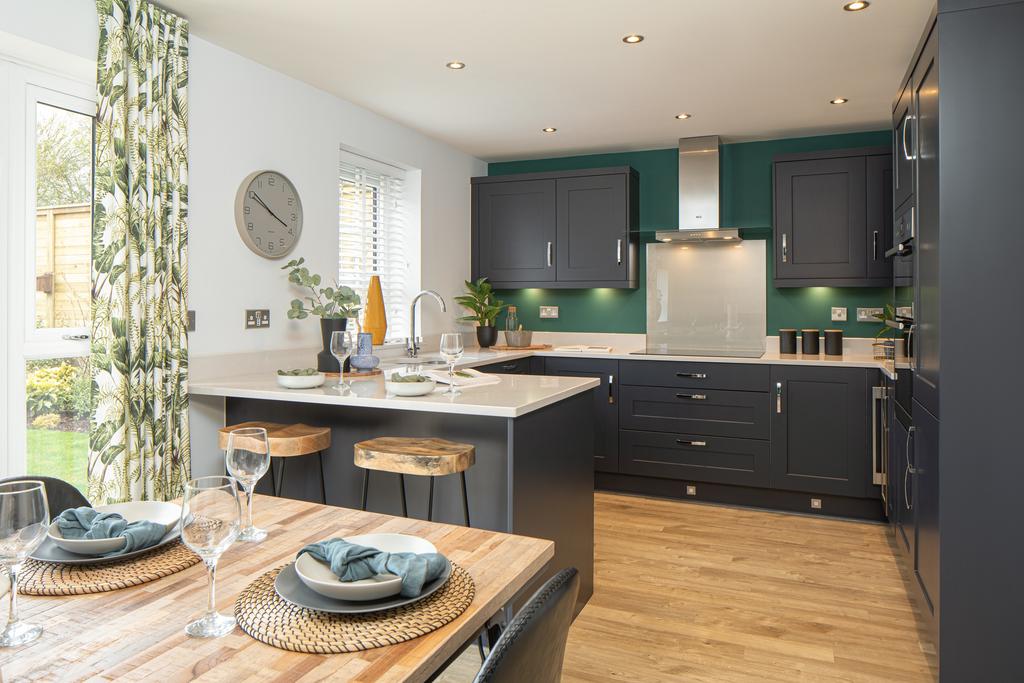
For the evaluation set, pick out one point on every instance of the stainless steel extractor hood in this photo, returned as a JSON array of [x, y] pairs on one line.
[[698, 195]]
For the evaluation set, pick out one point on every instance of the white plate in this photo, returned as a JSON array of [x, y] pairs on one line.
[[409, 388], [319, 578], [167, 514], [301, 381]]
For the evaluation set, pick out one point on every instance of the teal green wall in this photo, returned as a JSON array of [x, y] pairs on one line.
[[746, 186]]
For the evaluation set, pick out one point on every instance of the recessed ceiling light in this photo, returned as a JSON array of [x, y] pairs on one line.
[[633, 38], [856, 6], [839, 100], [549, 129], [456, 65], [683, 116]]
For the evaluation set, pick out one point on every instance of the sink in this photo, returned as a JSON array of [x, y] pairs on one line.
[[420, 361]]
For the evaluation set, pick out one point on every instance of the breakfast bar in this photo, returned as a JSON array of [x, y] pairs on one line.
[[533, 436]]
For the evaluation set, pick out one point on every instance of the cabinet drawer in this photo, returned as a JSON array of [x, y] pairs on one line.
[[656, 373], [520, 366], [719, 460], [740, 414]]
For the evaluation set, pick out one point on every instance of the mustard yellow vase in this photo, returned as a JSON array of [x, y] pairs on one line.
[[376, 320]]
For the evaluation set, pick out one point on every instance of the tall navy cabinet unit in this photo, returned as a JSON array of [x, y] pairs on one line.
[[958, 147]]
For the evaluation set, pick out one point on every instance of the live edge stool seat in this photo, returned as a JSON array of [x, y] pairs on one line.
[[426, 457], [288, 441]]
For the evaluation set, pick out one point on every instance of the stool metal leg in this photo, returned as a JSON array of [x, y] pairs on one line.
[[465, 498], [279, 483], [430, 501], [366, 487], [323, 481], [401, 485]]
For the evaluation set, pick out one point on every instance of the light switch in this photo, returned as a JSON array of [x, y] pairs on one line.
[[191, 322], [839, 314], [549, 311], [257, 318]]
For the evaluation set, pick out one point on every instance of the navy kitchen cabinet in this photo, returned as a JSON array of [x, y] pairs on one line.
[[695, 457], [832, 213], [926, 504], [519, 366], [820, 432], [904, 148], [572, 229], [606, 409], [901, 489]]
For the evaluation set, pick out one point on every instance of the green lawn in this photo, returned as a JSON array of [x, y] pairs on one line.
[[59, 454]]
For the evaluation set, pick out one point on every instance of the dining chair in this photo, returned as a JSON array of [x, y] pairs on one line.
[[533, 645], [60, 495]]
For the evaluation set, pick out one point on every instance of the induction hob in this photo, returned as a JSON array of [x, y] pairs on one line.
[[721, 353]]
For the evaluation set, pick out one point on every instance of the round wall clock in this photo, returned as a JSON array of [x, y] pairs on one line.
[[268, 213]]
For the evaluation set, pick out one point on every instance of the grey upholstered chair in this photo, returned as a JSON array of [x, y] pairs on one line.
[[60, 495], [533, 645]]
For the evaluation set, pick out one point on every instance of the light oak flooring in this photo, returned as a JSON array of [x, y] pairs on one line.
[[692, 592]]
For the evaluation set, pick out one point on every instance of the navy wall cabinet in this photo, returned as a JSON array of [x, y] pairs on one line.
[[573, 229], [820, 430], [606, 409], [833, 218]]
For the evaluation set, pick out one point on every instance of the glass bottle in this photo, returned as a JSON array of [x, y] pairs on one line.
[[511, 320]]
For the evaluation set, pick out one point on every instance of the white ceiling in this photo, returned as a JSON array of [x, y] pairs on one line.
[[745, 69]]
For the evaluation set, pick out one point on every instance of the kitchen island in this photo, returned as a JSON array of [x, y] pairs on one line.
[[533, 436]]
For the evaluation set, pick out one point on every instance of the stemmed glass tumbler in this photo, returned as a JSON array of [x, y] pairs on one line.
[[24, 519], [342, 345], [451, 351], [210, 517], [248, 459]]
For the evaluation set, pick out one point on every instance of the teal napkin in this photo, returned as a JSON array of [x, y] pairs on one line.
[[351, 562], [87, 523]]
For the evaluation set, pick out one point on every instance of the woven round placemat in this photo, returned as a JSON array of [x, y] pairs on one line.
[[48, 578], [270, 619]]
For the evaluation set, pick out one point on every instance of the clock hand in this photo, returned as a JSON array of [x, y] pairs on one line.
[[263, 204]]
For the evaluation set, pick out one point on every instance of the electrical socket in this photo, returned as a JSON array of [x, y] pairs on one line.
[[839, 314], [257, 318], [815, 503], [549, 311], [691, 490], [867, 315]]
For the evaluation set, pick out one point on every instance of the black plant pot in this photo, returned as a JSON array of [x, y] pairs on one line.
[[325, 362], [486, 335]]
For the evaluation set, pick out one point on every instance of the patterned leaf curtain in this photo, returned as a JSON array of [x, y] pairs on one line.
[[138, 438]]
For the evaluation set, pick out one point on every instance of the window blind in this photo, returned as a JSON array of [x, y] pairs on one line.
[[371, 238]]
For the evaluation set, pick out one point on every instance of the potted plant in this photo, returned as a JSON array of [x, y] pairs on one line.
[[334, 306], [484, 310], [885, 345]]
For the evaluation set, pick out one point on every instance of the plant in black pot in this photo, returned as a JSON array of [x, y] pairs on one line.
[[484, 309], [884, 345], [333, 305]]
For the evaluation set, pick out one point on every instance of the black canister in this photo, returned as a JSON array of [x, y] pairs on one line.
[[833, 342], [809, 342], [787, 341]]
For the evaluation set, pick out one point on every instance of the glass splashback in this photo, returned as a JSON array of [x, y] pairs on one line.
[[707, 299]]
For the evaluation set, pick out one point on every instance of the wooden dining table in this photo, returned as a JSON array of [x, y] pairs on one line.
[[137, 633]]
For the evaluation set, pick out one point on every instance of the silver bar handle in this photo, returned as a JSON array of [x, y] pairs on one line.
[[785, 249], [874, 245], [611, 393], [550, 255], [778, 397], [683, 442], [74, 337], [907, 503], [910, 345], [692, 375], [903, 136], [693, 397], [618, 251], [877, 394]]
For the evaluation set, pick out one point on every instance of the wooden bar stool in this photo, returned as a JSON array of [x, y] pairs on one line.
[[427, 457], [288, 441]]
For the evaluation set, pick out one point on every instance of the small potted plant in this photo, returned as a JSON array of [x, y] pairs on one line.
[[333, 305], [484, 309], [885, 345]]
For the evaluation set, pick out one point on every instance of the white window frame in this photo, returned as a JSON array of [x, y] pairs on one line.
[[411, 223], [29, 73]]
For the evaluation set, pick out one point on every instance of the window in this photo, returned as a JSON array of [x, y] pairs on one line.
[[373, 237]]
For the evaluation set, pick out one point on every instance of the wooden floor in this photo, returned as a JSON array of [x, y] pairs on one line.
[[691, 592]]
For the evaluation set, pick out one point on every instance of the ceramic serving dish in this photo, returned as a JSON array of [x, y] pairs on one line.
[[301, 381], [319, 578], [167, 514], [410, 388]]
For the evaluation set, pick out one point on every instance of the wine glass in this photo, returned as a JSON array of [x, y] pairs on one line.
[[248, 459], [210, 517], [341, 348], [451, 351], [24, 519]]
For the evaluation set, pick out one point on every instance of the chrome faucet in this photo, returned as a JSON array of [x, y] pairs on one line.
[[412, 343]]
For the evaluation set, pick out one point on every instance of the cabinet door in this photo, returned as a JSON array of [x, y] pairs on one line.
[[593, 225], [606, 410], [821, 430], [879, 215], [926, 243], [820, 219], [901, 489], [926, 502], [519, 366], [515, 231], [904, 152]]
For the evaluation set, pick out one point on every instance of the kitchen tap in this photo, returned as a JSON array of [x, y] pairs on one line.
[[412, 343]]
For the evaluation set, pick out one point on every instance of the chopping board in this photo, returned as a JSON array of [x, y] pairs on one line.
[[531, 347]]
